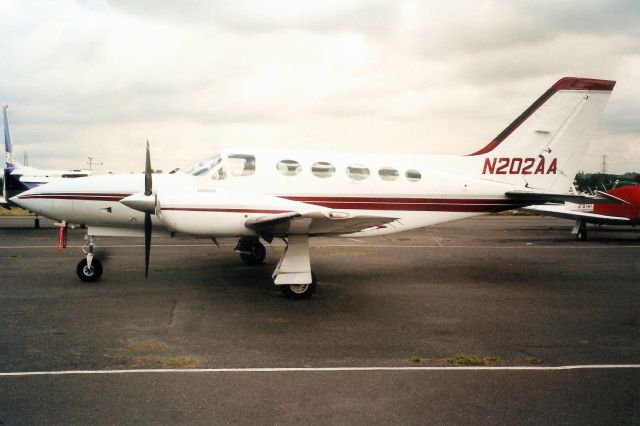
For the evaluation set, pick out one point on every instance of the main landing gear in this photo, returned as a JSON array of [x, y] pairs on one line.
[[300, 291], [580, 230], [252, 251], [90, 268], [293, 273]]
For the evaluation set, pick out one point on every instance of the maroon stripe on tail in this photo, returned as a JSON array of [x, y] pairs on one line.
[[566, 83]]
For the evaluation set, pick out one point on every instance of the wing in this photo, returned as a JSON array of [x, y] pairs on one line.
[[565, 213], [316, 223]]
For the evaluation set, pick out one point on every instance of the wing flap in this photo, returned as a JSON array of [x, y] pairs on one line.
[[316, 223]]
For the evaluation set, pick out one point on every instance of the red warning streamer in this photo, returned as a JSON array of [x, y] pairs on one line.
[[62, 238]]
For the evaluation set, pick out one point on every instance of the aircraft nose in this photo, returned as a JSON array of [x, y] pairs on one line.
[[27, 199]]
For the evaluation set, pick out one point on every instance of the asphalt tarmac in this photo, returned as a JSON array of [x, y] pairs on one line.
[[494, 320]]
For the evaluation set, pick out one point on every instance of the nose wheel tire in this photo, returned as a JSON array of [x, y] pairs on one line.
[[89, 274], [300, 291]]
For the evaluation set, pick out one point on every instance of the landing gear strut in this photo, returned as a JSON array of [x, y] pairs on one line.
[[252, 251], [580, 229], [89, 269], [293, 274]]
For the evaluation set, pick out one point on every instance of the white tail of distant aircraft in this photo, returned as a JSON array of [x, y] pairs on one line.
[[268, 194]]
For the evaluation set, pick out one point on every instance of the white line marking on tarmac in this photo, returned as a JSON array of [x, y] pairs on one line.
[[436, 239], [322, 369], [572, 247]]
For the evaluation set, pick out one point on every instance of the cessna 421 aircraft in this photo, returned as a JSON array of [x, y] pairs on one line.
[[253, 194]]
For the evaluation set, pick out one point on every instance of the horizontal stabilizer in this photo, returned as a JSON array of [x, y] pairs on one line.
[[564, 213], [531, 197]]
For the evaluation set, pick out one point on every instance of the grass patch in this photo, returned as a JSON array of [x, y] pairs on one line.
[[15, 211], [146, 346], [471, 360], [354, 253], [532, 360], [418, 360], [167, 362]]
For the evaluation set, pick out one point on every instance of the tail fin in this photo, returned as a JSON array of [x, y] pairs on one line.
[[543, 147], [8, 146]]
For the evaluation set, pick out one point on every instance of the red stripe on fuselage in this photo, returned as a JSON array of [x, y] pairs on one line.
[[86, 197], [221, 210], [396, 200], [473, 205], [476, 205]]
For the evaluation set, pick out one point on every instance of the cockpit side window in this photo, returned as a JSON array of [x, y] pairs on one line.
[[202, 167], [242, 164], [219, 174]]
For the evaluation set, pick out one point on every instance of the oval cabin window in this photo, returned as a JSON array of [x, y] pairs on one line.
[[388, 173], [357, 172], [322, 169], [289, 167], [413, 175]]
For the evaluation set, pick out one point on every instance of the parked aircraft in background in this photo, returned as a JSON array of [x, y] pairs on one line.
[[18, 178], [627, 213], [253, 194]]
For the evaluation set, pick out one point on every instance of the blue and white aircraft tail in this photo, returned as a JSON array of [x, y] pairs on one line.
[[18, 178]]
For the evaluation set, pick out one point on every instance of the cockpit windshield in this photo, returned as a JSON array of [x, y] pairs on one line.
[[202, 167]]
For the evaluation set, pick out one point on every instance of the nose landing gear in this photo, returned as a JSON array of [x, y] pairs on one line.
[[89, 269]]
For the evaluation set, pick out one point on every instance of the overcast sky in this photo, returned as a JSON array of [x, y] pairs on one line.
[[97, 78]]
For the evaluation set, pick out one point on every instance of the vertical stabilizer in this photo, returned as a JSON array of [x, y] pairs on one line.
[[543, 148], [8, 146]]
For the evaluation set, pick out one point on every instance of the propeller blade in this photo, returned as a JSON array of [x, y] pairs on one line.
[[147, 173], [147, 216], [147, 242]]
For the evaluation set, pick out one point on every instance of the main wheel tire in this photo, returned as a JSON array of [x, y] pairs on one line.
[[257, 255], [87, 274], [300, 291]]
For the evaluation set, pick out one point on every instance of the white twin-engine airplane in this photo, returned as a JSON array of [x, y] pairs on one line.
[[270, 194]]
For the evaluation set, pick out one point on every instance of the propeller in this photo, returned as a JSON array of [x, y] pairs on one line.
[[146, 203], [147, 215]]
